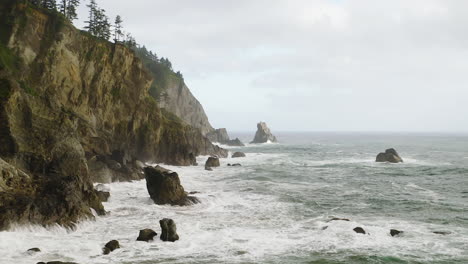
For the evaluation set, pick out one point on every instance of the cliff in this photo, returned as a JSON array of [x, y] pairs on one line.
[[68, 99], [183, 104]]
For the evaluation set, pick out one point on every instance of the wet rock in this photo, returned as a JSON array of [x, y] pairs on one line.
[[325, 228], [444, 233], [146, 235], [359, 230], [208, 168], [212, 162], [234, 143], [164, 187], [394, 232], [113, 165], [238, 155], [33, 250], [234, 165], [103, 196], [263, 134], [57, 262], [168, 230], [110, 246], [390, 155], [338, 219]]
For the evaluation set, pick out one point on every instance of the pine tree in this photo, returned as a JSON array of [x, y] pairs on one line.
[[49, 4], [68, 8], [118, 29], [91, 23]]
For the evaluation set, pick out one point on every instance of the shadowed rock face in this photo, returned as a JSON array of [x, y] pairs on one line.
[[164, 187], [74, 109], [146, 235], [212, 162], [263, 134], [221, 136], [168, 230], [390, 155]]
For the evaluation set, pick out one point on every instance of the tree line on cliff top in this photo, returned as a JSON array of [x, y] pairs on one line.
[[99, 25]]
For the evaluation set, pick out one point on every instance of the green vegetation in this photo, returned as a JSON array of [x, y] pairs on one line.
[[27, 88], [8, 60], [5, 89]]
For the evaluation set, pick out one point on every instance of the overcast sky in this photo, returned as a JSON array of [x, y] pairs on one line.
[[325, 65]]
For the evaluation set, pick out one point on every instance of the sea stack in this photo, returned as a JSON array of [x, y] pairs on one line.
[[390, 155], [263, 134]]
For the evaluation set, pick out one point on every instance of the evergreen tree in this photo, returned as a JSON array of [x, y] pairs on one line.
[[118, 29], [49, 4], [91, 23], [68, 8]]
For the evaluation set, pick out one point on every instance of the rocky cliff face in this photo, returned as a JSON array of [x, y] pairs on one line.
[[181, 102], [263, 134], [66, 98]]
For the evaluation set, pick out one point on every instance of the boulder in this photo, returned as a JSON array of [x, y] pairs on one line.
[[103, 196], [359, 230], [238, 155], [110, 246], [212, 162], [263, 134], [146, 235], [390, 155], [394, 232], [234, 165], [168, 230], [164, 187], [33, 250]]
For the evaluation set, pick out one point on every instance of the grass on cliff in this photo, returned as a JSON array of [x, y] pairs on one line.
[[8, 60]]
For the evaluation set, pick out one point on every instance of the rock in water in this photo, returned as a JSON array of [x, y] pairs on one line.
[[394, 232], [234, 143], [168, 230], [238, 155], [110, 246], [221, 136], [103, 196], [263, 134], [33, 250], [359, 230], [146, 235], [212, 162], [164, 187], [390, 155]]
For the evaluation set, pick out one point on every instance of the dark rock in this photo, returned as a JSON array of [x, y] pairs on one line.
[[394, 232], [219, 135], [238, 155], [34, 250], [146, 235], [113, 165], [263, 134], [103, 196], [194, 192], [444, 233], [390, 155], [164, 187], [168, 230], [208, 168], [339, 219], [234, 143], [325, 228], [234, 165], [57, 262], [212, 162], [110, 246], [359, 230]]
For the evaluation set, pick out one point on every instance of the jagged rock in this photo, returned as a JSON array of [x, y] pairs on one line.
[[164, 187], [238, 155], [110, 246], [146, 235], [359, 230], [212, 162], [390, 155], [234, 165], [263, 134], [168, 230], [394, 232], [103, 196]]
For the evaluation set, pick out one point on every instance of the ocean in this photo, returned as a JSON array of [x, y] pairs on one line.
[[277, 207]]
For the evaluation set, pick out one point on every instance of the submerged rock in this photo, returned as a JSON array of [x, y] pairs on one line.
[[263, 134], [146, 235], [168, 230], [33, 250], [234, 165], [390, 155], [359, 230], [338, 219], [110, 246], [444, 233], [238, 155], [212, 162], [208, 168], [394, 232], [164, 187]]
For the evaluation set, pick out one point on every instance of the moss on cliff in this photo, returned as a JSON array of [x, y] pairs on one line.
[[8, 60]]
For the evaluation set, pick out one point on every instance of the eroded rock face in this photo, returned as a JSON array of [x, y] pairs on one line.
[[263, 134], [212, 162], [164, 187], [390, 155], [169, 230]]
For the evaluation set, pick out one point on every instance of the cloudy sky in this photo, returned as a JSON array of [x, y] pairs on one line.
[[306, 65]]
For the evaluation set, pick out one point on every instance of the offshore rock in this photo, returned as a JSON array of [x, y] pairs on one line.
[[394, 232], [69, 103], [103, 196], [390, 155], [234, 143], [263, 134], [146, 235], [221, 136], [110, 246], [238, 155], [169, 230], [212, 162], [164, 187], [359, 230]]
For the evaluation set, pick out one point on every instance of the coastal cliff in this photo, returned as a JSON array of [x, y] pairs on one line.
[[66, 98]]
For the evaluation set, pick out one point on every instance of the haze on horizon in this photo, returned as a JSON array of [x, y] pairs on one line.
[[323, 65]]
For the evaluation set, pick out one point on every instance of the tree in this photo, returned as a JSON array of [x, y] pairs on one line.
[[68, 8], [98, 24], [49, 4], [118, 29], [91, 23]]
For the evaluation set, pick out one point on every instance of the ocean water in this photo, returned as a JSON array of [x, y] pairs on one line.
[[277, 207]]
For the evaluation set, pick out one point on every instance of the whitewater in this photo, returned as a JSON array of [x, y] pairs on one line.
[[277, 207]]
